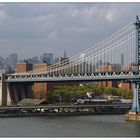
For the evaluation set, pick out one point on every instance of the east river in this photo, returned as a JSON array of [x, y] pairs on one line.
[[69, 126]]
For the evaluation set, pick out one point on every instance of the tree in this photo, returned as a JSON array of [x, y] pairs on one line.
[[72, 93]]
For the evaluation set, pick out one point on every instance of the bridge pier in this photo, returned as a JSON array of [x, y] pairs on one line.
[[9, 98], [5, 98], [135, 105], [134, 113], [11, 94], [18, 92], [14, 93]]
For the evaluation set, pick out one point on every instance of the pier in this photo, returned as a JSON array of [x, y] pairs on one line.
[[132, 116]]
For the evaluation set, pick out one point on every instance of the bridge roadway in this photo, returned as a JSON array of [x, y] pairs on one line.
[[98, 76], [119, 105], [60, 110]]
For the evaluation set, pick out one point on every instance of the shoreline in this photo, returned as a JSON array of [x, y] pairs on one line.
[[60, 114], [61, 110]]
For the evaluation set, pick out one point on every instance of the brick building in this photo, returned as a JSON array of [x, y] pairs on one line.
[[40, 89], [107, 68], [23, 67], [122, 85]]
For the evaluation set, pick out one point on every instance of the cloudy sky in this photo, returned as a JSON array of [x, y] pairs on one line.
[[31, 29]]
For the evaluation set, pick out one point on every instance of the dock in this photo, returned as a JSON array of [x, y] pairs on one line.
[[132, 116]]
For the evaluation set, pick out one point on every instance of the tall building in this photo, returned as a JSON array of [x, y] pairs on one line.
[[47, 58], [56, 60], [35, 60], [2, 61], [11, 61]]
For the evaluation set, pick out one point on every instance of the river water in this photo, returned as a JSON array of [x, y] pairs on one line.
[[69, 126]]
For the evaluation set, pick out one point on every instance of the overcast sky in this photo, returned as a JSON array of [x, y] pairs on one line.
[[31, 29]]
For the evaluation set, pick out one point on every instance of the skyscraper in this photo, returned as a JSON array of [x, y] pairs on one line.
[[47, 58], [12, 60]]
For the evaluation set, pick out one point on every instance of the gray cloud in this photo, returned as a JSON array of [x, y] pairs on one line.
[[34, 28]]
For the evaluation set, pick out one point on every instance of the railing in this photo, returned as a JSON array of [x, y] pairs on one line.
[[97, 76]]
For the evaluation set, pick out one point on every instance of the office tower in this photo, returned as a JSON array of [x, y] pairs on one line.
[[11, 61], [47, 58]]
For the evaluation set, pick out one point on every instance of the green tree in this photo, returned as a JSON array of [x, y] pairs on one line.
[[69, 93]]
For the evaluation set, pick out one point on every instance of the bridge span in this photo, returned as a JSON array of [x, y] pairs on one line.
[[116, 58]]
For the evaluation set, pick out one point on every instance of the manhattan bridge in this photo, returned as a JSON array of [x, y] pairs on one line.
[[115, 58]]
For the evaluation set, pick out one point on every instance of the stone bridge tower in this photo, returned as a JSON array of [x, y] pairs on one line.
[[5, 98]]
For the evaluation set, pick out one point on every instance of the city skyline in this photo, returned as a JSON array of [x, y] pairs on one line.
[[33, 29], [8, 63]]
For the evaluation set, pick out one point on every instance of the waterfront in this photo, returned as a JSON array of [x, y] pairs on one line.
[[69, 126]]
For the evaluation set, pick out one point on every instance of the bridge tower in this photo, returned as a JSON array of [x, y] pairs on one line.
[[134, 113], [2, 90], [5, 98], [135, 106]]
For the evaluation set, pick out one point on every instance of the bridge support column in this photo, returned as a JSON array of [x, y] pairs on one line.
[[135, 105], [4, 96], [17, 92], [134, 113], [22, 91], [1, 89], [9, 100]]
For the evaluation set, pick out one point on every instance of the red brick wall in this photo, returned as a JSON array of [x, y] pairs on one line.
[[127, 86], [108, 68], [23, 67], [40, 89]]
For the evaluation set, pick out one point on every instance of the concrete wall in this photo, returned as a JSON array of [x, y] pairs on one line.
[[12, 93], [4, 97], [17, 92]]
